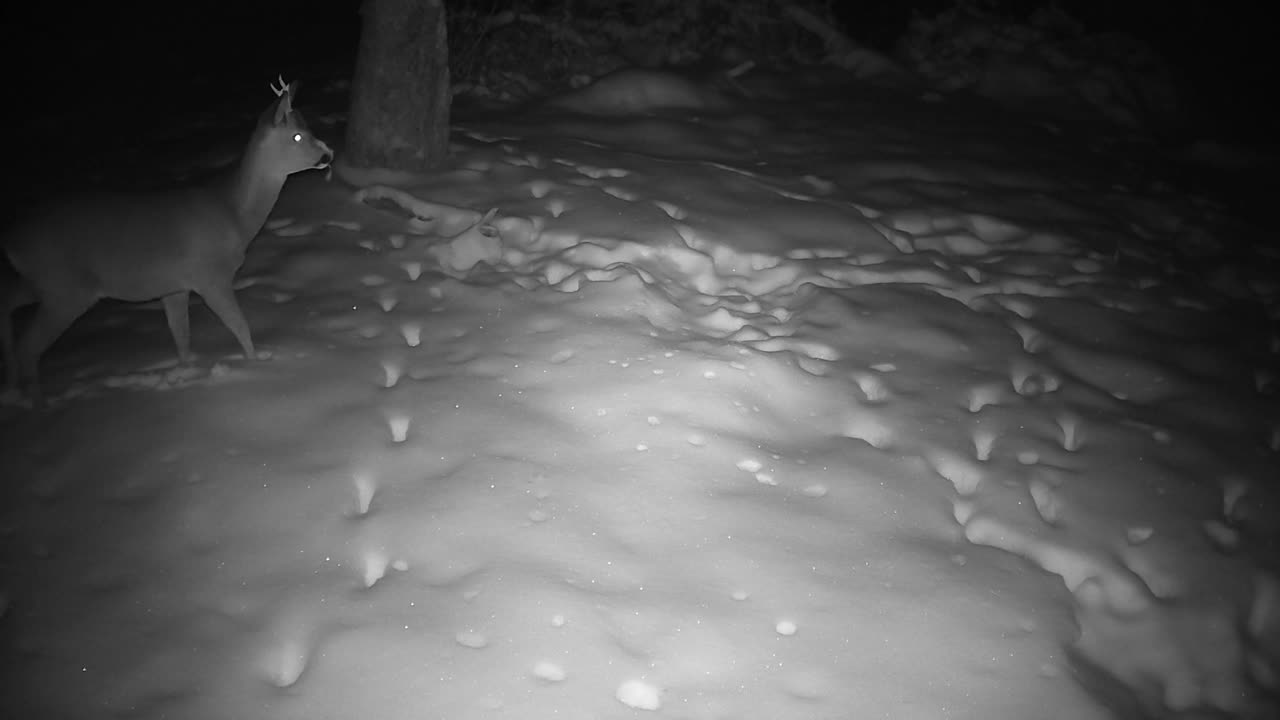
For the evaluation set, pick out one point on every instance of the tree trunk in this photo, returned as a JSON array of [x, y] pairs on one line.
[[400, 92]]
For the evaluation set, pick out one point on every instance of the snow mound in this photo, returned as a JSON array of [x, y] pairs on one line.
[[633, 91]]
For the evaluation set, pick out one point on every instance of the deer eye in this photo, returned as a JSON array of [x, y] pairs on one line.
[[297, 137]]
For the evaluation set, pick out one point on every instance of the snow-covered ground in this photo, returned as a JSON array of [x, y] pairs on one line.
[[849, 404]]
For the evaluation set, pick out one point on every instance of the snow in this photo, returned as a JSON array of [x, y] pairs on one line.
[[639, 694], [849, 406]]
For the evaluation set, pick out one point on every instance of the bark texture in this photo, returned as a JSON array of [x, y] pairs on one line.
[[400, 93]]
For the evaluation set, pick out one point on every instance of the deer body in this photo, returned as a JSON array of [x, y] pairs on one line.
[[154, 246]]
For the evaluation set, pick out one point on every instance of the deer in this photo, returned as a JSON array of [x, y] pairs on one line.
[[142, 247]]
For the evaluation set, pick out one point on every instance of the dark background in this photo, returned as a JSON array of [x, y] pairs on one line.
[[111, 65], [132, 56]]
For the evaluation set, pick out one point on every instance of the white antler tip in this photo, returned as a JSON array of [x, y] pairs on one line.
[[284, 86]]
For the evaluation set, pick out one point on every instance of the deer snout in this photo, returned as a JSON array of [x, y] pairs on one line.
[[326, 156]]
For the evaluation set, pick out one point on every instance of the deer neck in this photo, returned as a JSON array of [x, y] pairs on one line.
[[255, 187]]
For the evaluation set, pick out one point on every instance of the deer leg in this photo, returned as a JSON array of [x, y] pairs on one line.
[[10, 358], [16, 295], [175, 312], [52, 318], [221, 299]]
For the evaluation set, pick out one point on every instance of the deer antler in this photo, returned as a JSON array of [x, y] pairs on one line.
[[284, 86]]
